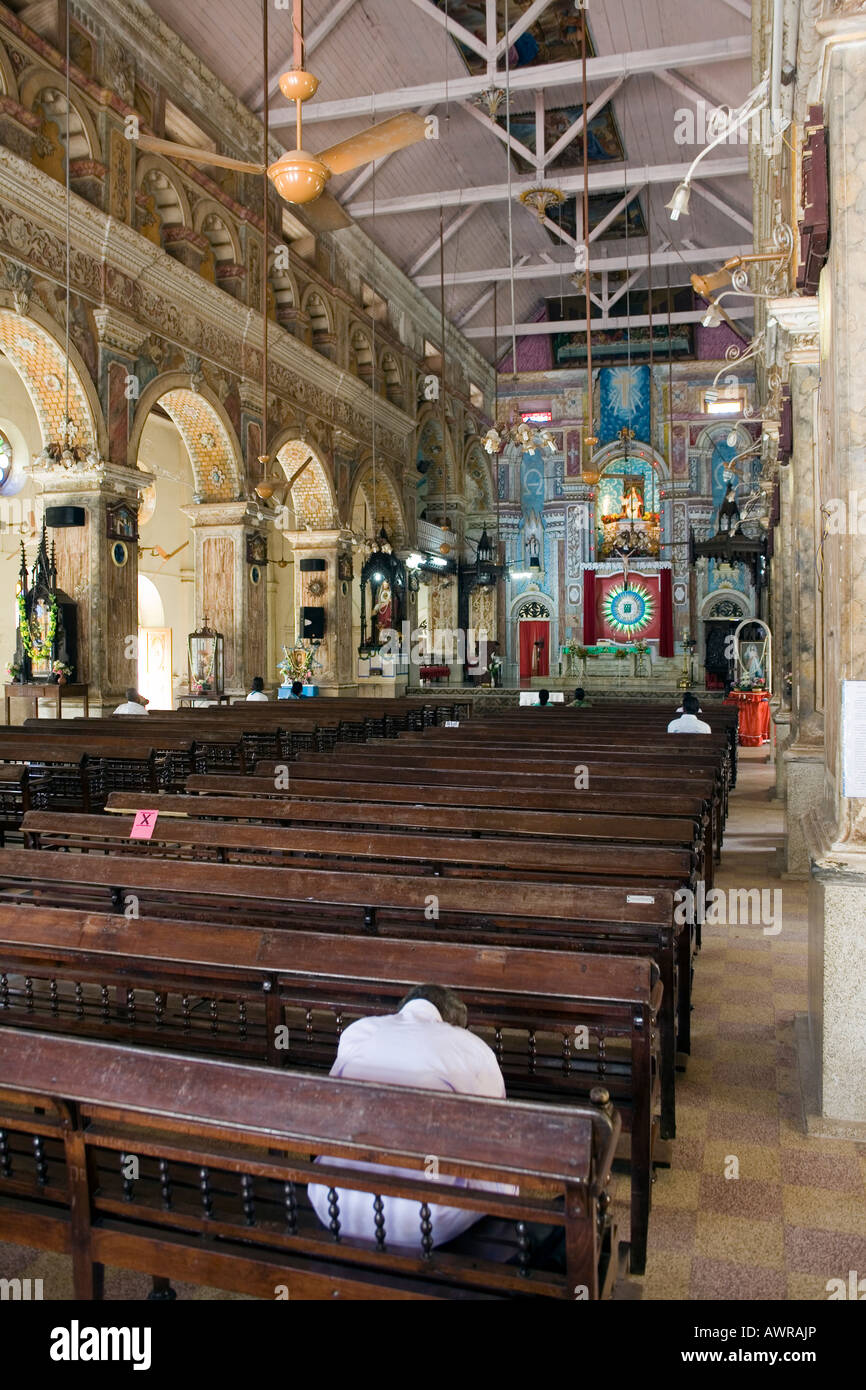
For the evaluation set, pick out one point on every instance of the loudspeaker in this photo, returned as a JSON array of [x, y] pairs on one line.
[[313, 622], [312, 566], [65, 516]]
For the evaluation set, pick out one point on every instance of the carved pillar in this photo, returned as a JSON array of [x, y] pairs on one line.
[[231, 588], [323, 588], [100, 573], [835, 1041], [804, 756]]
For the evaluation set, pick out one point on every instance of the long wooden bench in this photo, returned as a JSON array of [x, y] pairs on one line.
[[578, 917], [223, 1152], [559, 1025]]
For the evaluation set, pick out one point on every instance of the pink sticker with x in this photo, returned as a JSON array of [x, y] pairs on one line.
[[143, 826]]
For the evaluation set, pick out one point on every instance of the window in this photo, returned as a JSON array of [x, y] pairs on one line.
[[5, 459], [723, 402]]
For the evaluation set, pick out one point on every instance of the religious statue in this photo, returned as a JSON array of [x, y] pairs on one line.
[[382, 610], [632, 506]]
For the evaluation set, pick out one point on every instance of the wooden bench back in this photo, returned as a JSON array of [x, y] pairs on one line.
[[245, 1137]]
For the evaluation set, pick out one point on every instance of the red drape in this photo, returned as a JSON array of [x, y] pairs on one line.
[[529, 634], [666, 637], [588, 607]]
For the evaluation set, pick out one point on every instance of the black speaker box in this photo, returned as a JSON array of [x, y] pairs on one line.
[[312, 566], [65, 516], [313, 622]]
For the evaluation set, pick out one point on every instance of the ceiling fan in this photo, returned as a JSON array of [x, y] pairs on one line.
[[276, 487], [298, 176]]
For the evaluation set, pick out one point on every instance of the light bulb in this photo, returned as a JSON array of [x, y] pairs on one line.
[[731, 440], [679, 203]]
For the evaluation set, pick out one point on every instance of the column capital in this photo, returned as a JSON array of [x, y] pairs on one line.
[[222, 514], [100, 479], [798, 317], [117, 331]]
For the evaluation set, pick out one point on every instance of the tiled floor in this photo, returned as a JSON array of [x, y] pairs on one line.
[[795, 1216]]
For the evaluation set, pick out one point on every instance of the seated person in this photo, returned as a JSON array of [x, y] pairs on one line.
[[135, 703], [296, 691], [425, 1043], [544, 698], [580, 699], [258, 690], [688, 722]]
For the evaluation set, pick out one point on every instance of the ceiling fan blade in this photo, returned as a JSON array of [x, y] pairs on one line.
[[325, 214], [196, 156], [374, 142]]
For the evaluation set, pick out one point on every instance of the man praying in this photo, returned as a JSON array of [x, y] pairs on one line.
[[688, 722], [425, 1043]]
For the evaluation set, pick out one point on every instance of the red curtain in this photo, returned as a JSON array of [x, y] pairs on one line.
[[589, 615], [530, 633], [666, 636]]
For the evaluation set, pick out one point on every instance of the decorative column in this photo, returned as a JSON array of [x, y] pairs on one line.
[[803, 758], [97, 566], [835, 1040], [331, 589], [230, 557]]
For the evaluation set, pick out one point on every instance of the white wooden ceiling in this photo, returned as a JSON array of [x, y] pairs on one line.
[[366, 48]]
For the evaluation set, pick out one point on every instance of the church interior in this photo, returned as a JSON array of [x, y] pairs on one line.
[[474, 384]]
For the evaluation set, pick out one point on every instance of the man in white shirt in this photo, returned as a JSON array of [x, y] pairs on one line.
[[688, 722], [258, 690], [425, 1044], [135, 703]]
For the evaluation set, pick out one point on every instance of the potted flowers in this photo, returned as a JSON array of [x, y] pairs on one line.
[[60, 672]]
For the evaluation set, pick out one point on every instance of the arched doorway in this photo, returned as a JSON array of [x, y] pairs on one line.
[[154, 646], [533, 639]]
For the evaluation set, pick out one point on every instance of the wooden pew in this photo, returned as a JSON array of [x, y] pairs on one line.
[[559, 1025], [224, 1152], [485, 911]]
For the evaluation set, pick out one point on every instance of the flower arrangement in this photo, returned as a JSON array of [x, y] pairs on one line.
[[61, 671], [36, 648], [13, 670]]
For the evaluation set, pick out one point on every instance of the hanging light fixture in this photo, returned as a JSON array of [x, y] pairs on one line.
[[512, 429], [589, 473], [68, 452]]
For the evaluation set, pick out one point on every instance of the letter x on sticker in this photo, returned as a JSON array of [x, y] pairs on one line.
[[144, 825]]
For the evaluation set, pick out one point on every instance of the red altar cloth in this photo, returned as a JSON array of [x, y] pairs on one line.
[[753, 724]]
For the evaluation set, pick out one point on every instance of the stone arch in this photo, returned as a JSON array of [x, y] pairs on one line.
[[40, 87], [636, 449], [429, 450], [8, 82], [161, 197], [287, 299], [724, 598], [384, 503], [206, 430], [312, 496], [317, 310], [476, 467], [35, 347], [210, 220], [391, 377], [527, 600], [360, 353]]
